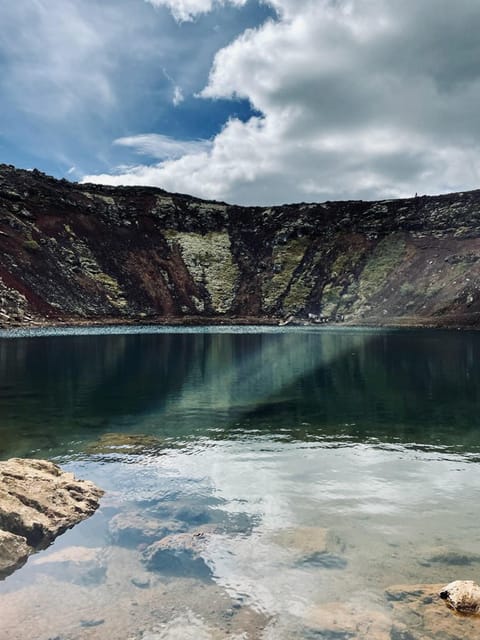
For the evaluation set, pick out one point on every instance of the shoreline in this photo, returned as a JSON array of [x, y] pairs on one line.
[[470, 322]]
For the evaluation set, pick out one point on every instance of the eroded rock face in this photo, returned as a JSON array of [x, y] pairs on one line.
[[38, 502], [87, 252], [462, 596]]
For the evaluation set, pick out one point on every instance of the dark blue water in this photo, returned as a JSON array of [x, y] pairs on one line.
[[318, 466]]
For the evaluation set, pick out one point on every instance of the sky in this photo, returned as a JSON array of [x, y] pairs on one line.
[[247, 101]]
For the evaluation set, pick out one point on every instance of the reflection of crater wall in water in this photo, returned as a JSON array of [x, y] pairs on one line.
[[405, 386], [367, 384], [100, 381], [89, 251], [118, 379], [250, 372], [393, 386]]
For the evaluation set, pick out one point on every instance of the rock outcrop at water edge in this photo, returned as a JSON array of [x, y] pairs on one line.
[[38, 502]]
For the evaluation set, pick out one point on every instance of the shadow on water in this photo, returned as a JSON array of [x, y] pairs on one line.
[[416, 387]]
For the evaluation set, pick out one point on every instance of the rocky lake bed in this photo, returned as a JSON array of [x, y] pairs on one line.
[[162, 579]]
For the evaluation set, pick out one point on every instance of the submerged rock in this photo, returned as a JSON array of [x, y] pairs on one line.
[[418, 613], [462, 596], [125, 443], [131, 528], [306, 541], [347, 621], [38, 502], [191, 626], [443, 555], [316, 546], [179, 554]]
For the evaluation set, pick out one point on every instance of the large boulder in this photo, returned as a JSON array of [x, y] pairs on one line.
[[38, 502]]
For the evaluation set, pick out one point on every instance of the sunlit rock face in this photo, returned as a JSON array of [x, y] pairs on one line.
[[38, 502], [91, 252]]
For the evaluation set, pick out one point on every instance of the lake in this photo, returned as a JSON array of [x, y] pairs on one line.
[[261, 483]]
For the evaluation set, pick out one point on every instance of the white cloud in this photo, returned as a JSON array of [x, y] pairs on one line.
[[159, 146], [178, 96], [75, 74], [359, 99], [186, 10], [55, 57]]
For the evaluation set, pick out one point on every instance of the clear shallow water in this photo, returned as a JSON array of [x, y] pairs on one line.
[[321, 466]]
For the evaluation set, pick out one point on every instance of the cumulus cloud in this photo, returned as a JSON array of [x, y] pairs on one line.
[[358, 99], [186, 10], [77, 74]]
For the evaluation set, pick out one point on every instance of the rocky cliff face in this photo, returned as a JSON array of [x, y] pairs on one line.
[[71, 252]]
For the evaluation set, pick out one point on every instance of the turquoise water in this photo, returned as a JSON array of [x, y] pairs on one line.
[[321, 466]]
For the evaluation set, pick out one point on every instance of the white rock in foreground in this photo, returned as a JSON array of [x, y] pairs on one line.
[[38, 502], [462, 596]]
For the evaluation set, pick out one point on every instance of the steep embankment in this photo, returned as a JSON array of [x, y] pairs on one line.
[[89, 252]]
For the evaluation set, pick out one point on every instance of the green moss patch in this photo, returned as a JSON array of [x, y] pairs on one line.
[[209, 261]]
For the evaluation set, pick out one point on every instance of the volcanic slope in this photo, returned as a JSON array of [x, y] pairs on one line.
[[89, 253]]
